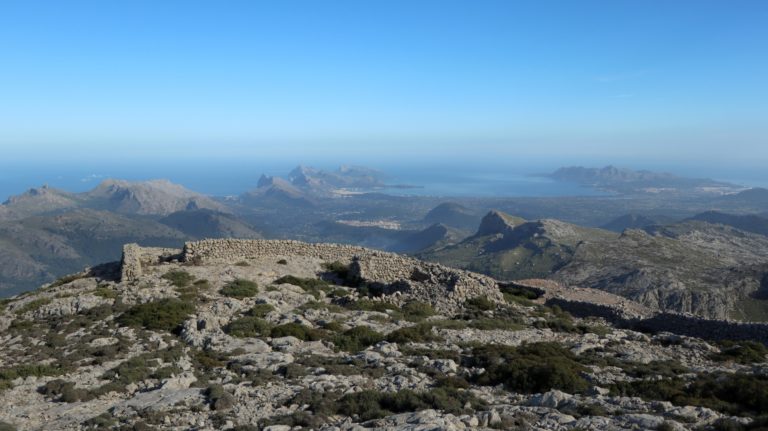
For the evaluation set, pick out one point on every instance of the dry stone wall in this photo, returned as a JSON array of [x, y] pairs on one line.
[[676, 323], [446, 288], [136, 257]]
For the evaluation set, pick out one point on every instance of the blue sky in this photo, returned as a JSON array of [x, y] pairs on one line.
[[350, 80]]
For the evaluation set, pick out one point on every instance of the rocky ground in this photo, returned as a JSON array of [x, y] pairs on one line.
[[295, 343]]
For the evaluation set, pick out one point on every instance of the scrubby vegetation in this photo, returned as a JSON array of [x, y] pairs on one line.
[[218, 398], [420, 333], [33, 305], [519, 295], [742, 352], [416, 311], [530, 368], [340, 270], [374, 404], [240, 289], [261, 310], [8, 374], [248, 326], [302, 332], [735, 394], [357, 338], [313, 286], [67, 279], [179, 278], [165, 314], [370, 404]]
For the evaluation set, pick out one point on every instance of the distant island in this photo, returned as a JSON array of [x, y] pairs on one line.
[[627, 181]]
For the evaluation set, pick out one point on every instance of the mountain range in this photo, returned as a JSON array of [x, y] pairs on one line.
[[703, 253]]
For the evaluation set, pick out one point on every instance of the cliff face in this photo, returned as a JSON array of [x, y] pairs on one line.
[[713, 271]]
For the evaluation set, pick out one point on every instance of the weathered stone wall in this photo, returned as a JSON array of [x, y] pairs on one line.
[[681, 324], [136, 257], [443, 287], [230, 250]]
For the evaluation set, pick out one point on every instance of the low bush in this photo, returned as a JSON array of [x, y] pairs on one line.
[[165, 314], [106, 292], [64, 391], [5, 426], [302, 332], [242, 263], [742, 352], [313, 286], [420, 333], [261, 310], [339, 269], [248, 326], [67, 279], [356, 339], [282, 262], [9, 374], [178, 278], [367, 405], [218, 398], [33, 305], [530, 368], [481, 303], [379, 306], [416, 311], [733, 394], [240, 289]]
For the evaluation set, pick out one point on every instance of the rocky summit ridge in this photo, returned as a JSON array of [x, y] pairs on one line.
[[280, 335]]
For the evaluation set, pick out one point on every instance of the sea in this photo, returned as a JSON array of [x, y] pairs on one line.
[[231, 178]]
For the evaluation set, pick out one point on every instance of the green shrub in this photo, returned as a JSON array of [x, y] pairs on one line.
[[317, 305], [379, 306], [339, 269], [33, 305], [64, 391], [481, 303], [416, 311], [332, 326], [261, 310], [67, 279], [733, 394], [165, 314], [106, 292], [178, 278], [218, 398], [520, 292], [240, 289], [742, 352], [313, 286], [367, 405], [133, 370], [530, 368], [495, 324], [5, 426], [297, 330], [8, 374], [356, 339], [249, 326], [420, 333]]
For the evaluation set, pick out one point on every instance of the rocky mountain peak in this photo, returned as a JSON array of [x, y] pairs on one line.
[[497, 222], [156, 197]]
